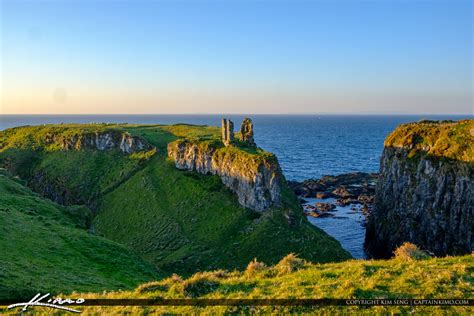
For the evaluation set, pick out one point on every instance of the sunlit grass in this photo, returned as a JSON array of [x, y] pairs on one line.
[[450, 277]]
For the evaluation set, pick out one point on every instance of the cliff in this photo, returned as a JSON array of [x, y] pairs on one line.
[[254, 177], [73, 163], [425, 190], [101, 141], [180, 222], [72, 137]]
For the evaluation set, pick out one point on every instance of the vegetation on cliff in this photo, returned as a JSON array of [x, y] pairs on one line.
[[442, 139], [206, 137], [179, 221], [42, 155], [255, 177]]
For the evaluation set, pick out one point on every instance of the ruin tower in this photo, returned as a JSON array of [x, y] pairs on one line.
[[246, 131], [227, 131]]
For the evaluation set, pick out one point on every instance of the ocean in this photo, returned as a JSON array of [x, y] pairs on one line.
[[307, 146]]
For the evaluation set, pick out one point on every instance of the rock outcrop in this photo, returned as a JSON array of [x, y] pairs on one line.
[[425, 192], [349, 188], [227, 129], [341, 186], [256, 180], [246, 132], [102, 140]]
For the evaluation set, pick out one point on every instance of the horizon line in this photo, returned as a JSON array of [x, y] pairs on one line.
[[253, 114]]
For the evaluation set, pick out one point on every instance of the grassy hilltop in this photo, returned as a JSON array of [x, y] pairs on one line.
[[443, 139], [178, 221], [425, 189]]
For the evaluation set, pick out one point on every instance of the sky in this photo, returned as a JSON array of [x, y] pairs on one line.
[[252, 57]]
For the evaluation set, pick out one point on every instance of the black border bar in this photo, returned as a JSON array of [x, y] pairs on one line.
[[264, 302]]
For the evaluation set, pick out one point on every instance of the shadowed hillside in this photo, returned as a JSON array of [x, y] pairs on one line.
[[45, 248]]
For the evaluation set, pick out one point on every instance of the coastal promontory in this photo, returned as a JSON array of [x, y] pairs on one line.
[[183, 198], [425, 192]]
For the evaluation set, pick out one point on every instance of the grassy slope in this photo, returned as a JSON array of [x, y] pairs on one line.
[[180, 221], [183, 221], [44, 248], [450, 277], [81, 176]]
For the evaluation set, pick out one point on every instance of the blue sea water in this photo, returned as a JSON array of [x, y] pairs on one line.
[[307, 146], [347, 225]]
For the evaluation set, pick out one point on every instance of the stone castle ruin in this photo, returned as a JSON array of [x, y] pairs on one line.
[[227, 131], [246, 131]]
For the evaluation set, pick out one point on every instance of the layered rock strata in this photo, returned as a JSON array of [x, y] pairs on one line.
[[100, 141], [425, 192], [254, 179]]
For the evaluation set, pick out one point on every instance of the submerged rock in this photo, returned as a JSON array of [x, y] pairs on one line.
[[319, 214], [347, 201], [325, 207], [323, 195], [342, 191]]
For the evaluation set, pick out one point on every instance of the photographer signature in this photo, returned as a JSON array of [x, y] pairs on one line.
[[57, 303]]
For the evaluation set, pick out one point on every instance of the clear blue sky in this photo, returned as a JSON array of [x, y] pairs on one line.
[[237, 56]]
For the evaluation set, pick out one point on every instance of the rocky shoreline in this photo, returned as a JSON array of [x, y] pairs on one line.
[[356, 188]]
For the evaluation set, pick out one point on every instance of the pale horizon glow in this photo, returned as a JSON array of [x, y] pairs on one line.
[[209, 57]]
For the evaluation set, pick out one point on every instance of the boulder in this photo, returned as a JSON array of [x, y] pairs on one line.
[[325, 207], [323, 195]]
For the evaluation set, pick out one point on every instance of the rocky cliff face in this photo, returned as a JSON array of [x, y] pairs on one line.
[[100, 141], [425, 192], [255, 180]]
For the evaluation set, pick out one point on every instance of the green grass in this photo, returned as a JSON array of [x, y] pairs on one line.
[[69, 177], [183, 221], [445, 139], [84, 175], [450, 277], [45, 248], [36, 137], [179, 221]]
